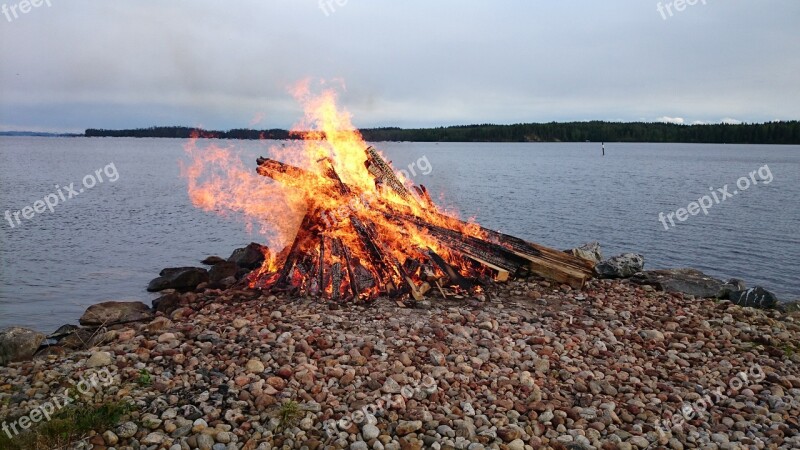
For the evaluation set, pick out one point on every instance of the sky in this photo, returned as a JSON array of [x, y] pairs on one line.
[[70, 65]]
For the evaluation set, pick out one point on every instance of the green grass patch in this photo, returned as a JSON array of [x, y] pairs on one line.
[[289, 414], [66, 427], [145, 379]]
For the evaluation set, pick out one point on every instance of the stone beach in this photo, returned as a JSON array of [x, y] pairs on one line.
[[527, 365]]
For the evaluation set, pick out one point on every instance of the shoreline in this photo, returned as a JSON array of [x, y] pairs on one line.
[[534, 365]]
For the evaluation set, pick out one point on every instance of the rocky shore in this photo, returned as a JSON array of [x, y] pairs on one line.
[[529, 365]]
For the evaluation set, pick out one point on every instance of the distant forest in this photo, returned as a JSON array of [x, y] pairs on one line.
[[596, 131]]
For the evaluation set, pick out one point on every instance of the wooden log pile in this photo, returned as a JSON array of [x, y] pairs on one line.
[[355, 244]]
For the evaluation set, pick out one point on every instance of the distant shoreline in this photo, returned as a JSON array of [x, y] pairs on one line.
[[787, 133], [773, 133]]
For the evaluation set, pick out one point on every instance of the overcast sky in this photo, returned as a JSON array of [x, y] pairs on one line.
[[76, 64]]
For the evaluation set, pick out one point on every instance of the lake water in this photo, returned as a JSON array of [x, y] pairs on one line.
[[107, 242]]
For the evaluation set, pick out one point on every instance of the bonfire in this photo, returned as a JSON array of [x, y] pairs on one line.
[[353, 228]]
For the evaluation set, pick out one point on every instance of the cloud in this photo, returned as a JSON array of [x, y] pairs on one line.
[[191, 62], [730, 121], [675, 120]]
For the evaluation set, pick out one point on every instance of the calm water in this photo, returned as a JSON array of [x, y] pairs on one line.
[[109, 241]]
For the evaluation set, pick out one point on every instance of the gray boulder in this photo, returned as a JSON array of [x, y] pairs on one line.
[[688, 281], [622, 266], [756, 297], [179, 278], [18, 344], [590, 252], [109, 313]]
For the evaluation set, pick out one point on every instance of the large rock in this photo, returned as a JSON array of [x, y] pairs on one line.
[[80, 339], [622, 266], [222, 271], [212, 260], [108, 313], [687, 281], [63, 331], [18, 344], [250, 257], [179, 278], [756, 297], [590, 251], [167, 303]]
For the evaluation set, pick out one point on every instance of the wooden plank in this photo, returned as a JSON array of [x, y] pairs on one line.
[[556, 272], [502, 274], [383, 173], [351, 272], [441, 290], [321, 269], [533, 251], [415, 291], [448, 270], [336, 280]]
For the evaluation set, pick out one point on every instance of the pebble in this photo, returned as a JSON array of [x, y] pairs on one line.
[[154, 438], [369, 432], [127, 430], [99, 359], [110, 438], [255, 366], [534, 366]]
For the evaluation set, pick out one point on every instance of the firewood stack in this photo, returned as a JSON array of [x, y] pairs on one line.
[[358, 244]]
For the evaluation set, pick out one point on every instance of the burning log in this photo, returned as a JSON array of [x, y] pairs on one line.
[[451, 273], [296, 254], [287, 174], [384, 175], [351, 272], [336, 280], [321, 267], [358, 254], [425, 197], [497, 257]]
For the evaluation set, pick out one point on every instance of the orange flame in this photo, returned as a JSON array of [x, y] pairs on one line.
[[219, 181]]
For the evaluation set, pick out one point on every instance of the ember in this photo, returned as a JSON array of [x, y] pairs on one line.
[[366, 231]]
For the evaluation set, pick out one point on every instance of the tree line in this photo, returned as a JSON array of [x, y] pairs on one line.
[[785, 132], [188, 132]]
